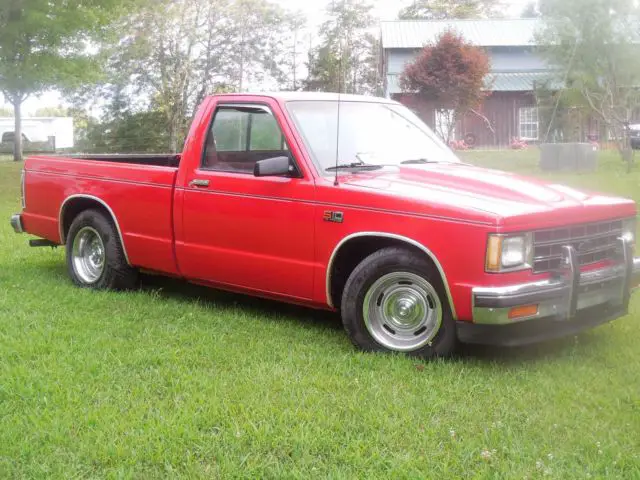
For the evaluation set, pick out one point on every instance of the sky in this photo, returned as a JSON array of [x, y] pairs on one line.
[[313, 10], [383, 9]]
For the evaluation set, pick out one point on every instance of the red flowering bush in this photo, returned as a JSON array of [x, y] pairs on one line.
[[458, 145], [449, 73], [518, 144]]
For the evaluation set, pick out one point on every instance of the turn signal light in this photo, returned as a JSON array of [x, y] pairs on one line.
[[494, 254], [523, 311]]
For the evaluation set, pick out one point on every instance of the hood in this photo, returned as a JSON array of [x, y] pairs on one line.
[[507, 198]]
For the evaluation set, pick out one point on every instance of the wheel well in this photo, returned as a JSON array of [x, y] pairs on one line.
[[352, 252], [75, 207]]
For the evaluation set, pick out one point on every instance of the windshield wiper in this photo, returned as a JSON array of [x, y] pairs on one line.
[[354, 165], [360, 165]]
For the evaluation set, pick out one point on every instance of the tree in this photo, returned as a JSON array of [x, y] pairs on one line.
[[530, 10], [259, 54], [347, 58], [450, 74], [82, 121], [58, 111], [141, 132], [6, 112], [296, 42], [591, 43], [448, 9], [561, 113], [43, 44], [159, 59], [175, 52]]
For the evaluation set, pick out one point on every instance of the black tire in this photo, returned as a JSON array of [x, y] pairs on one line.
[[470, 139], [116, 273], [386, 261]]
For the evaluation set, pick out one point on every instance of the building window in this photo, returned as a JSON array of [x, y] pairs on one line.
[[528, 123]]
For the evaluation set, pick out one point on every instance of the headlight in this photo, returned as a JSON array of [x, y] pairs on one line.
[[629, 230], [508, 252]]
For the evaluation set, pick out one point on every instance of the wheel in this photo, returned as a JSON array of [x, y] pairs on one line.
[[394, 300], [95, 258], [470, 139]]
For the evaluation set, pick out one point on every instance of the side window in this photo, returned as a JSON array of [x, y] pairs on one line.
[[241, 136], [265, 133], [229, 130]]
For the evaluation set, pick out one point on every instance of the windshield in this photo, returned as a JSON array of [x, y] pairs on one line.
[[370, 133]]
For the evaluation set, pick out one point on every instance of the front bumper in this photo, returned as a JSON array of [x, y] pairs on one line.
[[16, 223], [570, 301]]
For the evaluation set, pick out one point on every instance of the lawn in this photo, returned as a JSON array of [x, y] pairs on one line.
[[179, 381]]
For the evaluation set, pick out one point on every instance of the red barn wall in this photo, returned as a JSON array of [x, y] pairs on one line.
[[499, 108]]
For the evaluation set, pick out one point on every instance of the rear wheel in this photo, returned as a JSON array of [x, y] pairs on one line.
[[394, 300], [95, 257]]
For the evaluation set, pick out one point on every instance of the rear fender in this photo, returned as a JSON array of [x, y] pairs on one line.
[[69, 202]]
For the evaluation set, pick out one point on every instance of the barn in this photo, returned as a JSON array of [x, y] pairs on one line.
[[509, 111]]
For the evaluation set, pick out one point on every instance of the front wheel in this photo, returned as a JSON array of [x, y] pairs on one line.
[[394, 300], [95, 257]]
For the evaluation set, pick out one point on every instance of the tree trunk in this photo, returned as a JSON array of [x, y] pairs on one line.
[[173, 135], [173, 140], [628, 150], [623, 145], [17, 131]]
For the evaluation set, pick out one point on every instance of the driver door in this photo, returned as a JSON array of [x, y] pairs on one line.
[[255, 233]]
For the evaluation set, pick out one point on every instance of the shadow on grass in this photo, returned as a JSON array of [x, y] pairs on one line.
[[210, 298], [580, 344], [184, 291]]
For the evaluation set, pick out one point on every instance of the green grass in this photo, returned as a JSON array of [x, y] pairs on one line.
[[179, 381]]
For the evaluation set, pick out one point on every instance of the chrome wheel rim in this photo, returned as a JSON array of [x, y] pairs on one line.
[[402, 311], [88, 255]]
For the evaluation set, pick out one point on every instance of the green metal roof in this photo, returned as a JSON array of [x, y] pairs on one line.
[[483, 33], [517, 81], [501, 81]]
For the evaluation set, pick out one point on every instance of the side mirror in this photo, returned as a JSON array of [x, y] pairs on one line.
[[273, 167]]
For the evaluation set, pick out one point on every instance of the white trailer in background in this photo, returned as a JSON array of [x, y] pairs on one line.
[[41, 129]]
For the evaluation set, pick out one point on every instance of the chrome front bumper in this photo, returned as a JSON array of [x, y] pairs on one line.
[[16, 223], [565, 295]]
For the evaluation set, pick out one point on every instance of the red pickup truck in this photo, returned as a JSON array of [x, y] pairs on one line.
[[348, 204]]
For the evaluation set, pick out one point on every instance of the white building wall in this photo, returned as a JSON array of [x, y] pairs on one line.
[[38, 129]]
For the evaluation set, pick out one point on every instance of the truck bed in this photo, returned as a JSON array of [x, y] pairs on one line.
[[136, 189]]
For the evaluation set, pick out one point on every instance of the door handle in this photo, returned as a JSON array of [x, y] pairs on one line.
[[199, 183]]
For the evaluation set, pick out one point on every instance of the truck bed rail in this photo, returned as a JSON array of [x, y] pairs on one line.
[[155, 159]]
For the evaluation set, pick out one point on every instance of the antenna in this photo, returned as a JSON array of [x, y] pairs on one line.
[[335, 180], [340, 51]]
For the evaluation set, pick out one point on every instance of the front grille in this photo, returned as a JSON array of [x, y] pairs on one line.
[[593, 242]]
